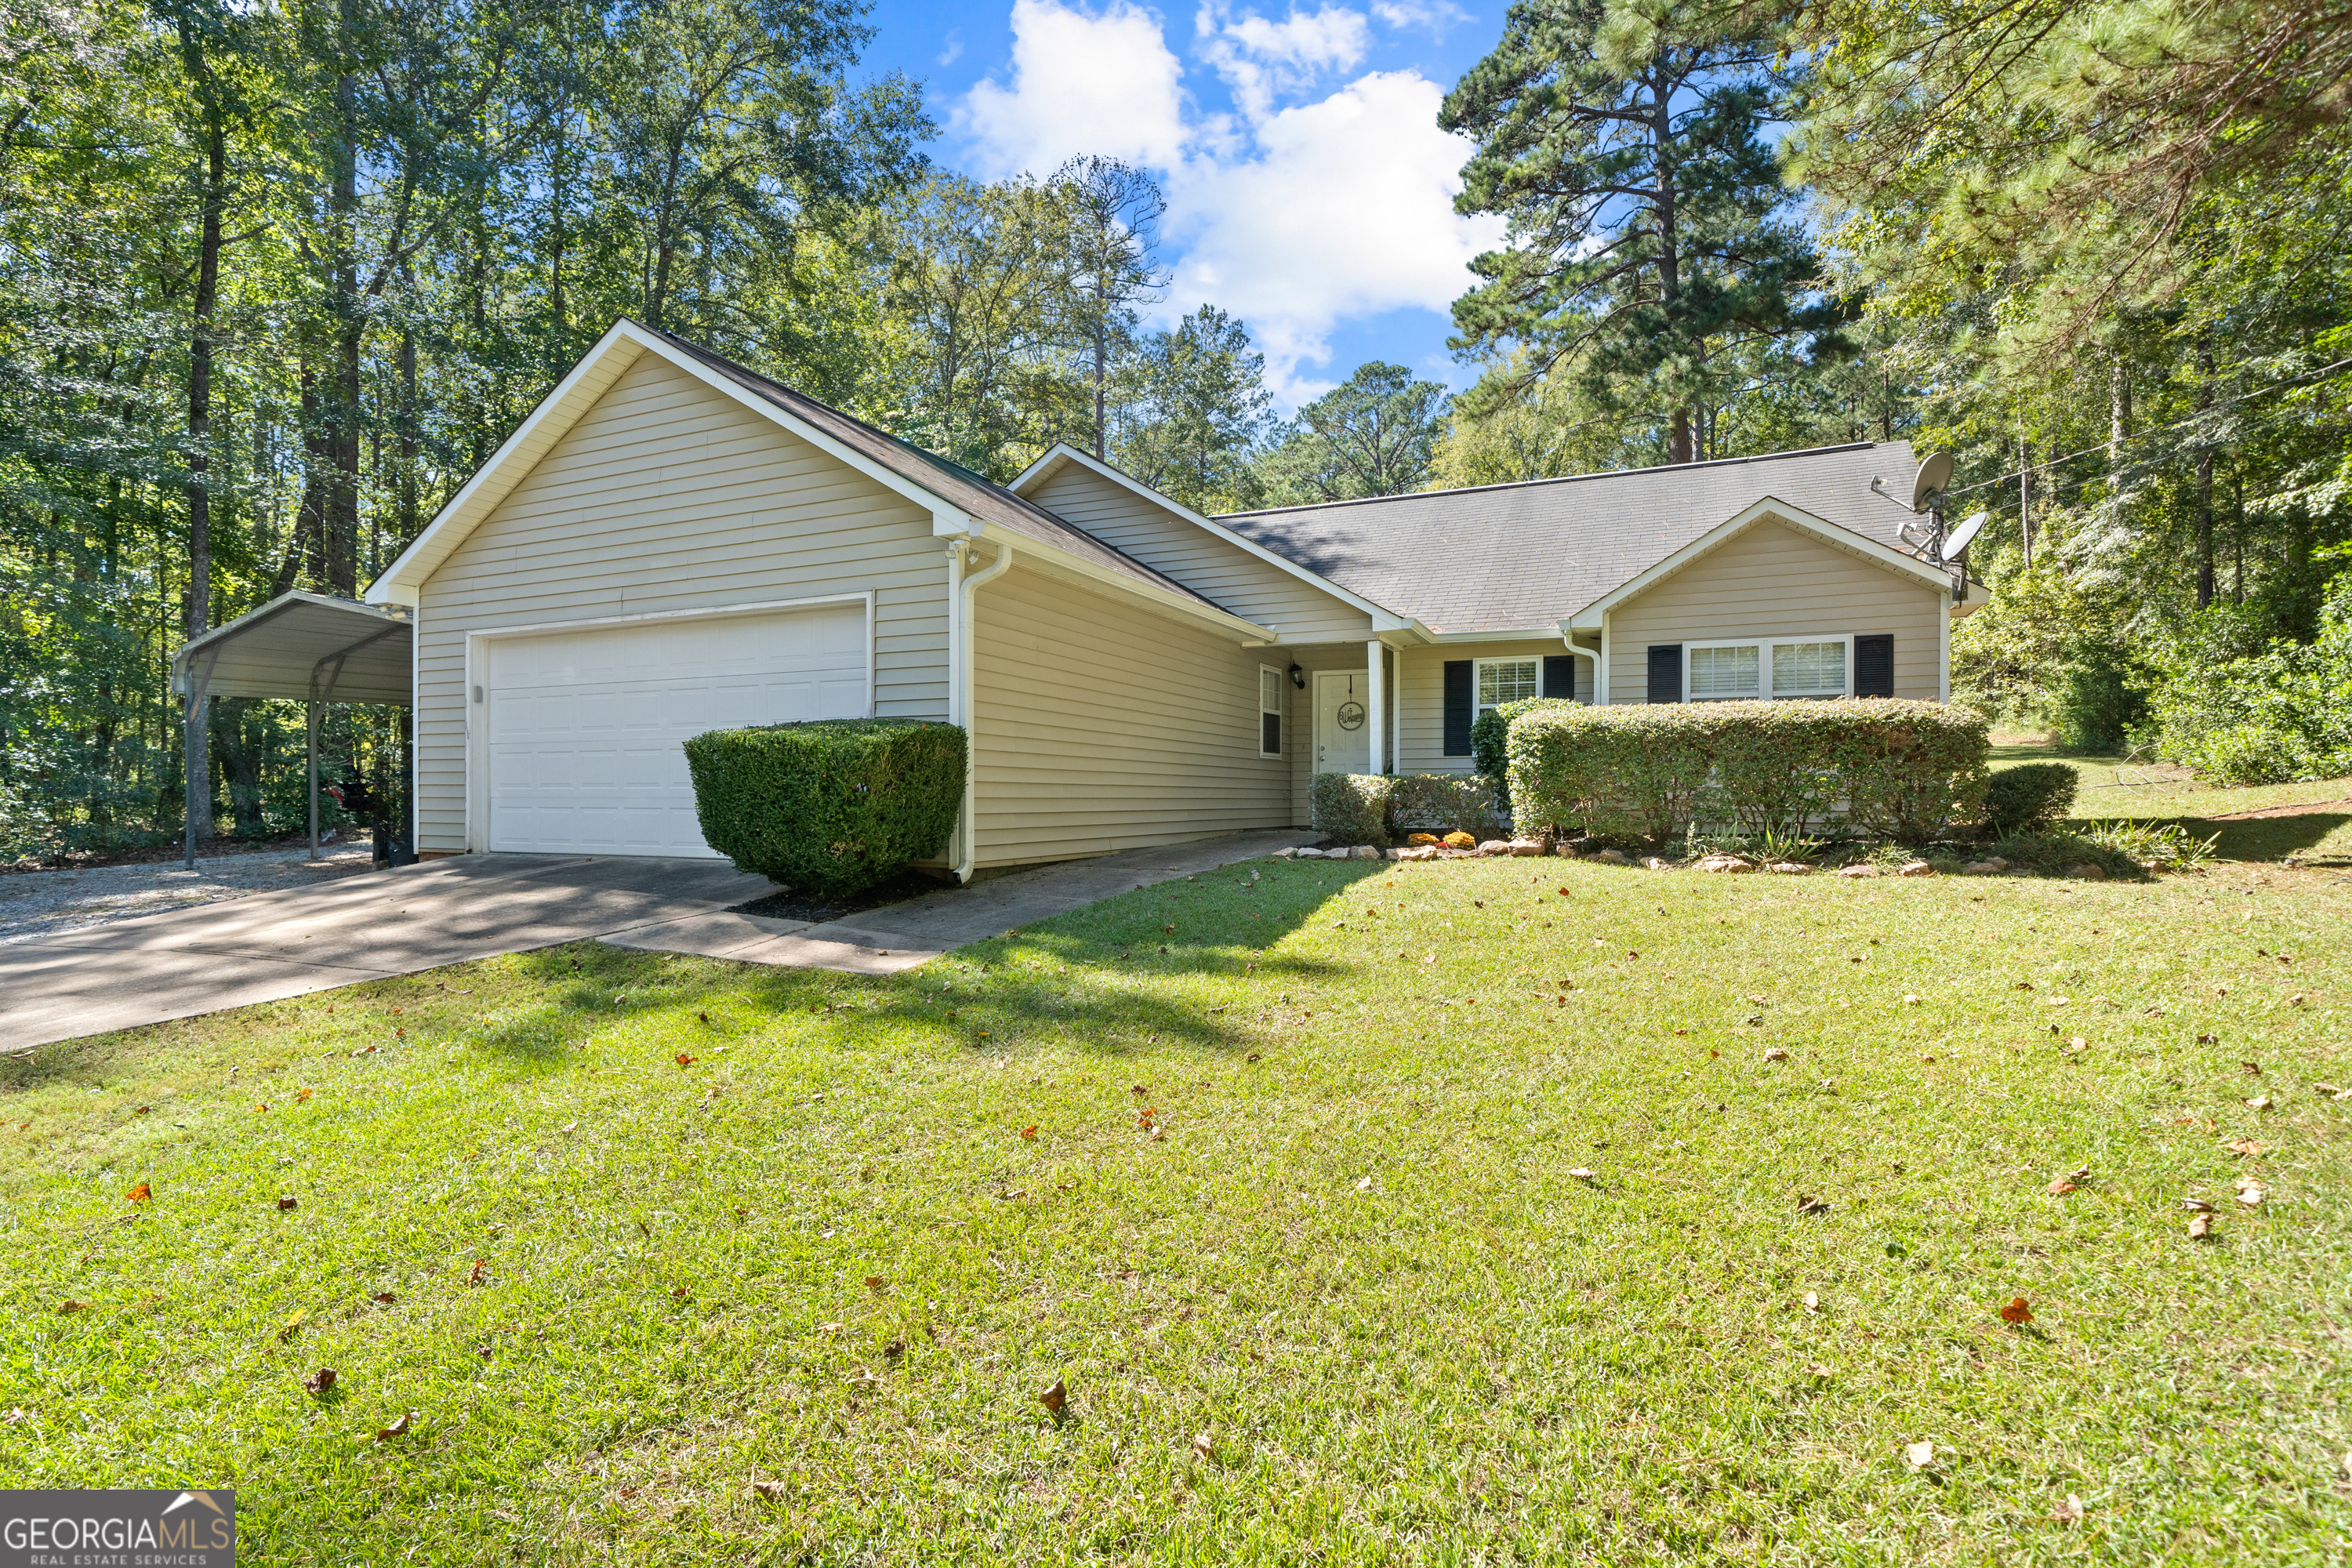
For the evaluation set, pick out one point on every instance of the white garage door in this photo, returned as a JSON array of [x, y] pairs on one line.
[[586, 728]]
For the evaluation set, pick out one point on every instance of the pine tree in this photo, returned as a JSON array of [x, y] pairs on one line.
[[1649, 238]]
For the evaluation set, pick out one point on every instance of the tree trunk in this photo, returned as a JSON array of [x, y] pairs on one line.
[[2118, 415], [2204, 473], [200, 420], [2026, 499], [1670, 285]]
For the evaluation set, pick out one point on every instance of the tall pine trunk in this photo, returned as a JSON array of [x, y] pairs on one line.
[[2204, 473], [200, 419]]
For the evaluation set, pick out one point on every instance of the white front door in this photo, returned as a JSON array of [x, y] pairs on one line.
[[587, 729], [1343, 722]]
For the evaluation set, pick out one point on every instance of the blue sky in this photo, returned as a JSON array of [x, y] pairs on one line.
[[1309, 188]]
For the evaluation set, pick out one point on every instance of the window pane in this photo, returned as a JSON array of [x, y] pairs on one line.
[[1269, 691], [1809, 670], [1723, 672], [1506, 681]]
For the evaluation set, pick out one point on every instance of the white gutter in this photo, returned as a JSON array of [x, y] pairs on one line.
[[1584, 652], [961, 609]]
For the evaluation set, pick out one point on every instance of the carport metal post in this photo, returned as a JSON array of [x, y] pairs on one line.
[[196, 716], [311, 722]]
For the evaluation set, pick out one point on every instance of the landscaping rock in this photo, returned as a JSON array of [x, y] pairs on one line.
[[1527, 846], [1864, 870], [1494, 847], [1656, 864], [1724, 863], [2087, 872], [1916, 869], [1789, 868], [1364, 852], [1612, 858], [1291, 853], [1992, 867], [1565, 851], [1418, 852]]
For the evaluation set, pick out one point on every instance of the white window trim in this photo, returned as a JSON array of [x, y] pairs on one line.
[[1478, 670], [1282, 685], [1764, 646]]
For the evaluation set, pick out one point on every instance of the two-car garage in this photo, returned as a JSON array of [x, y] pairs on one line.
[[578, 731]]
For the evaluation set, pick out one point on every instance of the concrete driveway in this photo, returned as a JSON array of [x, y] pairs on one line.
[[270, 945]]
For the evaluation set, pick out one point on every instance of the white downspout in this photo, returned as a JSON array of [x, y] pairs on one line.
[[1593, 674], [1377, 721], [962, 625], [1601, 678]]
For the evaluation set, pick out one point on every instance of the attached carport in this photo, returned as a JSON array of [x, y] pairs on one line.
[[312, 649]]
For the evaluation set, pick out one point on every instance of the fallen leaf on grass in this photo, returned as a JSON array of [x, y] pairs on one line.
[[139, 1194], [480, 1273], [2259, 1102], [2250, 1192], [2329, 1089], [398, 1428], [1910, 1000], [2068, 1511], [288, 1203], [876, 1282], [684, 1060], [1813, 1301], [1364, 1184], [1812, 1205], [68, 1307], [2200, 1226], [320, 1380], [828, 1330], [1201, 1448], [773, 1491], [1029, 1134], [1921, 1455], [2198, 1205], [2204, 1039], [2017, 1312], [2247, 1147], [300, 1095], [386, 1297], [1054, 1397], [1776, 1055]]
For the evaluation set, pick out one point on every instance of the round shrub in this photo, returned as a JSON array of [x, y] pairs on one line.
[[1490, 734], [833, 805], [1352, 809], [2019, 799]]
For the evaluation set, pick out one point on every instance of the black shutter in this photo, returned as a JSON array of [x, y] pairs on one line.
[[1559, 675], [1665, 672], [1459, 707], [1874, 665]]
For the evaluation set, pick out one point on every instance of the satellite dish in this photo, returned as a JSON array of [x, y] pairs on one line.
[[1935, 478], [1958, 539]]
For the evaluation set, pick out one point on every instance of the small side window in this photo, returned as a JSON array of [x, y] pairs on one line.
[[1269, 711]]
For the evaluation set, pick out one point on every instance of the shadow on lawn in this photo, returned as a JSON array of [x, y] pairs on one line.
[[1063, 979], [2270, 837]]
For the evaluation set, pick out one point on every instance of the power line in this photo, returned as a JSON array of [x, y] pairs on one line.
[[2154, 430]]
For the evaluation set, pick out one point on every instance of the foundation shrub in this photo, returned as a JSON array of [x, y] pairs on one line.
[[1873, 767], [1448, 803], [1352, 809], [833, 805]]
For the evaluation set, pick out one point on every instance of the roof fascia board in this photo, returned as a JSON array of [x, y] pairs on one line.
[[1383, 619], [1768, 509], [472, 503], [1519, 634]]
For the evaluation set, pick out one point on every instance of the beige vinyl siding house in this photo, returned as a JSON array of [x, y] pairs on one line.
[[671, 544], [1772, 582], [667, 497]]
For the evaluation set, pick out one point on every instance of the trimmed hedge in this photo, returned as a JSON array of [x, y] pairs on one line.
[[1352, 809], [2019, 799], [1490, 735], [833, 805], [1448, 803], [1877, 766]]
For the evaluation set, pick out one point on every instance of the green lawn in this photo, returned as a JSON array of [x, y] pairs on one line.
[[2314, 827], [676, 1261]]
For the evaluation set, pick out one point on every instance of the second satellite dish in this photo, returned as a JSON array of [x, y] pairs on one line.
[[1958, 541], [1935, 478]]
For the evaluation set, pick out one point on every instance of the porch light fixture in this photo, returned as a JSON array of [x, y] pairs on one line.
[[1297, 676]]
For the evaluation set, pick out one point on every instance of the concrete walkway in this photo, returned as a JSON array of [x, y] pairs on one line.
[[900, 936], [270, 945]]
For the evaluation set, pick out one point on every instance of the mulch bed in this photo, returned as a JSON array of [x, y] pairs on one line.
[[794, 905]]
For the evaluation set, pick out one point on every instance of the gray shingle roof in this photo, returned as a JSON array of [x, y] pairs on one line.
[[1504, 557], [951, 482]]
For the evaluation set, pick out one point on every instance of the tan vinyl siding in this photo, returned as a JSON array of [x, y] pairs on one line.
[[1770, 581], [669, 495], [1223, 572], [1098, 727], [1423, 750]]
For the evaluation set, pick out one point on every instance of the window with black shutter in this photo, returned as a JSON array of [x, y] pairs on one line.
[[1874, 665], [1666, 672], [1460, 706], [1559, 675]]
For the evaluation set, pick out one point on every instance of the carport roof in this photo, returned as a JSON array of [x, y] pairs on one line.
[[304, 645]]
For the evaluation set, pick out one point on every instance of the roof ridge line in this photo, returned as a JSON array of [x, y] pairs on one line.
[[1558, 479]]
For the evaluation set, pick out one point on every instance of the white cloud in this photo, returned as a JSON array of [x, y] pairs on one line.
[[1081, 83], [1436, 15], [1295, 218], [1345, 208], [1259, 58]]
